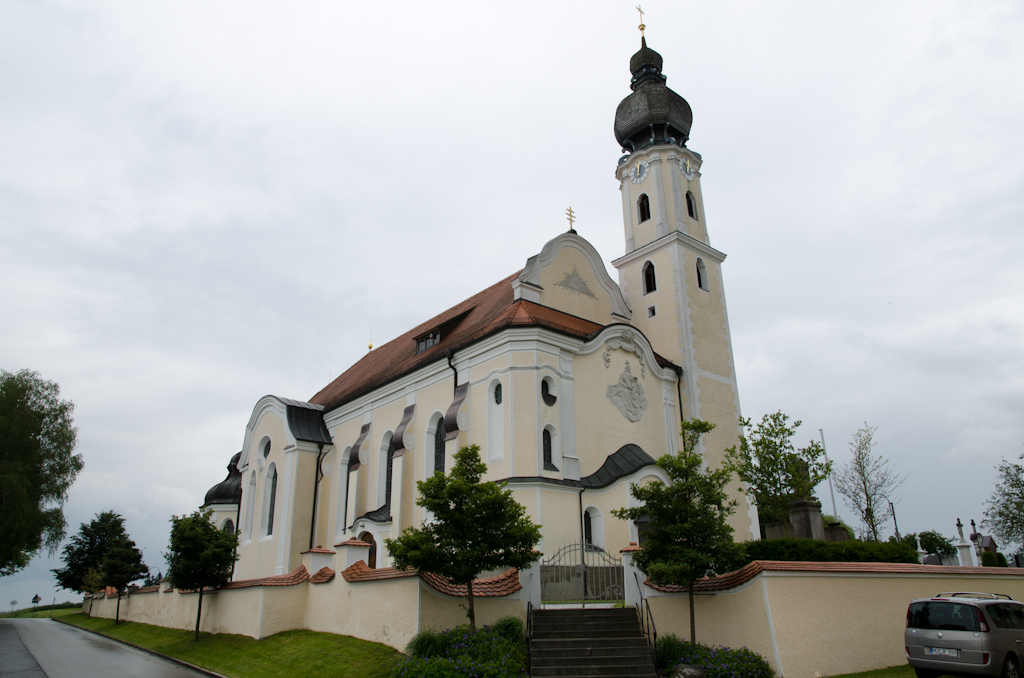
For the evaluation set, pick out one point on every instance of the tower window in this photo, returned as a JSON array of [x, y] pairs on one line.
[[546, 441], [702, 276], [545, 392], [650, 284], [439, 446], [497, 394], [643, 208], [691, 205], [266, 450], [651, 311]]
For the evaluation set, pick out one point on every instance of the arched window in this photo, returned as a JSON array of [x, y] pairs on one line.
[[372, 557], [250, 505], [266, 449], [650, 284], [588, 528], [702, 276], [269, 501], [593, 527], [547, 387], [228, 526], [547, 443], [691, 205], [495, 423], [390, 471], [439, 446], [643, 208]]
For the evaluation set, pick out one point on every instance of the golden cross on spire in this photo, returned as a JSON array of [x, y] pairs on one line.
[[641, 26], [571, 216]]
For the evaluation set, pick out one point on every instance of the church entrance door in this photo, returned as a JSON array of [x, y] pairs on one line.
[[581, 573]]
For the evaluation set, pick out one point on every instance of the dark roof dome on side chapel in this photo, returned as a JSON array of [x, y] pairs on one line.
[[652, 113], [229, 490]]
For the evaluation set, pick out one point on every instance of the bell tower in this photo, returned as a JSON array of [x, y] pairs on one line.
[[670, 275]]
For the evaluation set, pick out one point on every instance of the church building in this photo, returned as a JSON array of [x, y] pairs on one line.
[[571, 382]]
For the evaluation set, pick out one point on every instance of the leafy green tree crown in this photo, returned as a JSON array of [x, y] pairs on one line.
[[1006, 505], [775, 471], [934, 543], [122, 565], [37, 466], [687, 535], [199, 555], [87, 549], [476, 526]]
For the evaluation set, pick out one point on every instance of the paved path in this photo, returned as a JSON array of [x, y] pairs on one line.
[[42, 648]]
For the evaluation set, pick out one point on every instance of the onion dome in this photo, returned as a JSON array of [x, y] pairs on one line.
[[229, 490], [652, 114]]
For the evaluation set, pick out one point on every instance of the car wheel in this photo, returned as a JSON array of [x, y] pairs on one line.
[[924, 673], [1010, 669]]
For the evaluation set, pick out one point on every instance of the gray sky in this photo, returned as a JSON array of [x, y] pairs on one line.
[[202, 203]]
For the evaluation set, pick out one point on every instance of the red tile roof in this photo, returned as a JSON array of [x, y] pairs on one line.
[[629, 549], [751, 570], [147, 589], [296, 576], [360, 572], [324, 575], [501, 585], [485, 312], [319, 549], [352, 542]]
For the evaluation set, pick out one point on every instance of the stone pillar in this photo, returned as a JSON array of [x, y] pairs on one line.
[[351, 552], [316, 559], [529, 579], [805, 519], [631, 576], [965, 555]]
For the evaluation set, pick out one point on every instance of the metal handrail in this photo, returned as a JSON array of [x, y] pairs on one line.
[[529, 628], [647, 621]]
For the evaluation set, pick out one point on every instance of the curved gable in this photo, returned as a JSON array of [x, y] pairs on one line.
[[569, 275]]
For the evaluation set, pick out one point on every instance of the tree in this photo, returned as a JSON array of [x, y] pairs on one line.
[[476, 526], [687, 534], [153, 579], [867, 481], [87, 549], [1004, 514], [200, 555], [934, 543], [121, 566], [775, 472], [37, 467]]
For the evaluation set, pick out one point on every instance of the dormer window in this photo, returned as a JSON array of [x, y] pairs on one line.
[[429, 341]]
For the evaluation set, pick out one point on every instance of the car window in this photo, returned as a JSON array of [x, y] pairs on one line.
[[1016, 613], [1001, 615], [943, 615]]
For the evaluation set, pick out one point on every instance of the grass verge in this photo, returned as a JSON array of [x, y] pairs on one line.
[[30, 614], [292, 654], [903, 671]]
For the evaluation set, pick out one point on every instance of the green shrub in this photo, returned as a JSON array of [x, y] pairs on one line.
[[718, 662], [492, 652], [426, 644], [510, 627], [1002, 560], [807, 550], [988, 559], [670, 648]]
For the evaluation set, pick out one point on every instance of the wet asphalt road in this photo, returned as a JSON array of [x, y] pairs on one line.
[[42, 648]]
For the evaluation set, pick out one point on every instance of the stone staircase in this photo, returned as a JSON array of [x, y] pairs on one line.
[[592, 642]]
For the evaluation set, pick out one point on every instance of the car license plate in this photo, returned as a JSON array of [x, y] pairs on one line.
[[944, 651]]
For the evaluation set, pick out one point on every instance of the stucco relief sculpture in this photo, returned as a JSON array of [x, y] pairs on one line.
[[575, 283], [628, 396], [565, 364], [627, 341]]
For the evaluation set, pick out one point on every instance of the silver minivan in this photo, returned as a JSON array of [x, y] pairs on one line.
[[965, 634]]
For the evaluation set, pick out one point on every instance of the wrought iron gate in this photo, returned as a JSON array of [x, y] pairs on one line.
[[580, 573]]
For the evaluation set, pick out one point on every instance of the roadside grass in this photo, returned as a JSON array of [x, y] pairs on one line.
[[29, 613], [903, 671], [292, 654]]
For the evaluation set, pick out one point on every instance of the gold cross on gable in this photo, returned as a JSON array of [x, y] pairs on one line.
[[571, 216], [642, 27]]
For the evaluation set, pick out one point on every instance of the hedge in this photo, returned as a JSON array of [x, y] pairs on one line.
[[808, 550]]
